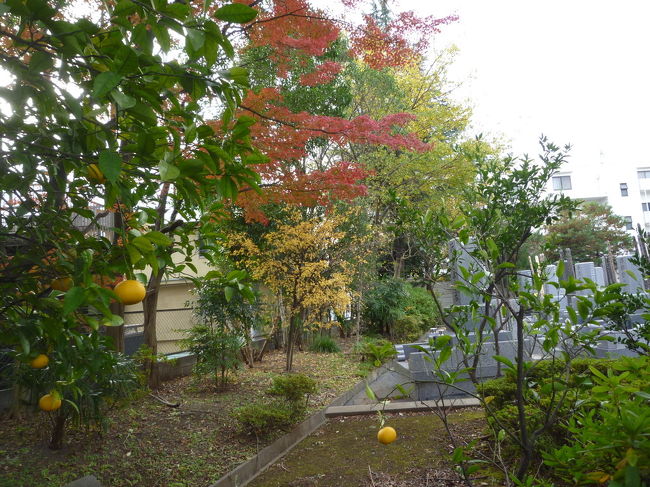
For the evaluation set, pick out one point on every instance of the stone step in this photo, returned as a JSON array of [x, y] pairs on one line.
[[398, 406]]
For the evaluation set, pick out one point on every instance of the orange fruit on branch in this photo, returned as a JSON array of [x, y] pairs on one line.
[[62, 284], [50, 402], [130, 291], [386, 435], [40, 361]]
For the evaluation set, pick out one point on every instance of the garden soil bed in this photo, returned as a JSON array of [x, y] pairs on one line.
[[149, 444]]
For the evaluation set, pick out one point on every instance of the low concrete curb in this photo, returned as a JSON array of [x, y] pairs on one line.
[[88, 481], [398, 407], [247, 471]]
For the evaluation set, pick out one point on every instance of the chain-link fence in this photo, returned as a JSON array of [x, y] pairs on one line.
[[170, 326]]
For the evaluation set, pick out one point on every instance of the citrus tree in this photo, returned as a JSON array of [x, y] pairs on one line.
[[105, 165]]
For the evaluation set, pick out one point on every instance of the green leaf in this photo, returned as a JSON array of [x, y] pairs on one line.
[[24, 344], [642, 395], [126, 61], [134, 254], [40, 62], [124, 7], [196, 38], [143, 244], [502, 435], [370, 393], [459, 455], [229, 292], [73, 299], [159, 238], [238, 75], [115, 320], [168, 172], [504, 360], [236, 12], [104, 83], [162, 35], [110, 164], [123, 101]]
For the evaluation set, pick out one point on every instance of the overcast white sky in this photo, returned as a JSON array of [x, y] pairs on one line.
[[575, 70]]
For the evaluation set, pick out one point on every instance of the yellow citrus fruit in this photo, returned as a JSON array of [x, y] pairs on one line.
[[62, 284], [40, 361], [387, 435], [95, 175], [50, 402], [130, 291]]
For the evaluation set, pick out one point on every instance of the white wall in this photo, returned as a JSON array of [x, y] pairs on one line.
[[598, 178]]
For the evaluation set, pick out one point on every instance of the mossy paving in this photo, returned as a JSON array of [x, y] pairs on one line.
[[341, 451]]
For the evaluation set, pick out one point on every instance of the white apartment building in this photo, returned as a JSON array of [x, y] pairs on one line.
[[623, 186]]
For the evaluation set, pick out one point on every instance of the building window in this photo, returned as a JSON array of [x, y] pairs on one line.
[[645, 206], [628, 223], [644, 174], [563, 182], [623, 189]]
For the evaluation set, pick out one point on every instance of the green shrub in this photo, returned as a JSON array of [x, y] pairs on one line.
[[395, 308], [217, 350], [324, 344], [602, 426], [375, 350], [422, 306], [262, 418], [384, 304], [611, 443], [294, 389], [407, 329], [502, 390]]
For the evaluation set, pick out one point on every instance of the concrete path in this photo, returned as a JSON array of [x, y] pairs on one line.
[[398, 406]]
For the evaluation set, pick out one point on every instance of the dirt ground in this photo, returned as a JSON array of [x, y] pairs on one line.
[[149, 444]]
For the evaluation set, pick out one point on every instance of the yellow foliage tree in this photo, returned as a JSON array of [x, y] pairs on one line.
[[302, 261]]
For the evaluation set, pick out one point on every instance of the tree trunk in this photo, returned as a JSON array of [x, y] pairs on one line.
[[150, 308], [116, 333], [294, 328], [58, 431], [117, 308], [358, 317], [526, 447]]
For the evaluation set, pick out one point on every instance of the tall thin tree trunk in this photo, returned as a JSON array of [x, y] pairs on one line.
[[358, 317], [117, 308], [150, 308], [526, 447]]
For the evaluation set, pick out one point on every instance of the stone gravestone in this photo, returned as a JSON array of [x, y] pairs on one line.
[[525, 279], [610, 273], [467, 261], [600, 276], [625, 267], [550, 276], [585, 270]]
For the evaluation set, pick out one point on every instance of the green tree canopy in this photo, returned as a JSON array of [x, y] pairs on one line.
[[588, 233]]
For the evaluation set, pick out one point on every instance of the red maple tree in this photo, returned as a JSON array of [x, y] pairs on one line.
[[299, 35]]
